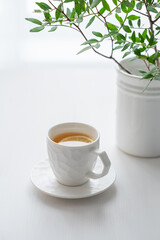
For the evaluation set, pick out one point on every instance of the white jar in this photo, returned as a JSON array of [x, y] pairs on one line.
[[138, 112]]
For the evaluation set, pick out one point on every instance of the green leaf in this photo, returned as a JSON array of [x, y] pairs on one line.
[[109, 34], [58, 11], [147, 76], [144, 34], [120, 36], [128, 4], [157, 28], [83, 5], [91, 41], [130, 23], [126, 46], [67, 1], [97, 45], [139, 6], [127, 29], [152, 9], [90, 2], [48, 17], [120, 20], [84, 49], [151, 40], [68, 13], [157, 33], [87, 8], [102, 10], [151, 59], [37, 29], [157, 15], [97, 34], [141, 37], [138, 40], [156, 55], [124, 8], [80, 19], [52, 29], [133, 36], [154, 70], [157, 77], [111, 26], [106, 5], [89, 47], [118, 47], [33, 20], [72, 15], [90, 21], [78, 8], [126, 54], [119, 41], [137, 52], [43, 6], [139, 23], [141, 71], [133, 17], [150, 33], [147, 37], [37, 11], [118, 10], [142, 49], [115, 2], [95, 3]]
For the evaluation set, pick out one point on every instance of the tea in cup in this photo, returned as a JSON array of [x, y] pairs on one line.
[[73, 149]]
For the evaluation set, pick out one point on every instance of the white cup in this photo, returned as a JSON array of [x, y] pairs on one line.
[[74, 165]]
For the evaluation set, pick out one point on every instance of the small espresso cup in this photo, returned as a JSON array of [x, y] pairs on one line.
[[74, 165]]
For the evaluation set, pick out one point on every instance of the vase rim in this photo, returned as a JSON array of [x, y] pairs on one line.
[[127, 60], [134, 83]]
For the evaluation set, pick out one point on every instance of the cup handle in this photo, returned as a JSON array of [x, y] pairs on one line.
[[106, 165]]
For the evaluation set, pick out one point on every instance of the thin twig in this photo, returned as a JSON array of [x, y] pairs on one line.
[[108, 57], [108, 31], [156, 19], [152, 30], [146, 65]]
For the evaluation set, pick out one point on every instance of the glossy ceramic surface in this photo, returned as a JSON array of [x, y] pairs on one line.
[[74, 165], [138, 112]]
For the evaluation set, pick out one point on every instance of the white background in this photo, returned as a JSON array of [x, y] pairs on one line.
[[19, 46], [42, 83]]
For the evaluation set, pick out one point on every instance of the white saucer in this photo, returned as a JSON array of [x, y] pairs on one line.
[[43, 178]]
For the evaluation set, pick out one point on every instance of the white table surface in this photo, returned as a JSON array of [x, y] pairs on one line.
[[31, 100]]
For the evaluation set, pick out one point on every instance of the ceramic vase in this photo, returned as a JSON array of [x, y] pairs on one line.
[[138, 112]]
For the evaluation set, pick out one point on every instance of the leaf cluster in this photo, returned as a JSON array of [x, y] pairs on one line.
[[132, 26]]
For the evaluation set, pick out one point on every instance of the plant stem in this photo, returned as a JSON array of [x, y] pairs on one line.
[[147, 65], [152, 30], [104, 18], [95, 14], [113, 10], [156, 20], [108, 57], [141, 13]]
